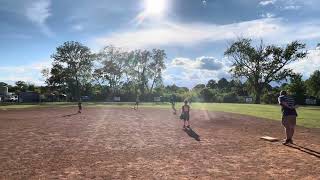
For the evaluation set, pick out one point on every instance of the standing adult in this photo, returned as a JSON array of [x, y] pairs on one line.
[[173, 103], [289, 115], [136, 105]]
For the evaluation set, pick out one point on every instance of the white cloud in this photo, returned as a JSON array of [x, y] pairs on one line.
[[188, 72], [38, 12], [202, 63], [292, 7], [309, 64], [171, 34], [267, 2], [275, 30], [77, 27], [29, 73], [268, 15]]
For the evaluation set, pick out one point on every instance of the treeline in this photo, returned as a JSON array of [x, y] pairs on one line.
[[235, 91], [220, 91], [114, 72]]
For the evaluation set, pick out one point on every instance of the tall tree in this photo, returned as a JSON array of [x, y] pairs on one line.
[[313, 84], [156, 67], [72, 65], [113, 65], [223, 84], [21, 86], [263, 64], [199, 86], [297, 88], [212, 84]]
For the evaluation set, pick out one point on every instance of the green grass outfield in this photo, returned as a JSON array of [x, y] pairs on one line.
[[309, 116]]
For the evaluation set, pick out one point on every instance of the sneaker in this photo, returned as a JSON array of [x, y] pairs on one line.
[[287, 141], [188, 126], [290, 141]]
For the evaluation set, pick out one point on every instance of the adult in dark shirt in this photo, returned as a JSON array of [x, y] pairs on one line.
[[289, 115], [173, 103]]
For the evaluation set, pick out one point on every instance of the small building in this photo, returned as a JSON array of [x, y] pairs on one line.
[[29, 97], [248, 99], [116, 99], [311, 101], [156, 99]]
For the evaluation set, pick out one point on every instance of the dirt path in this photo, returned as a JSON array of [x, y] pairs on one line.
[[122, 143]]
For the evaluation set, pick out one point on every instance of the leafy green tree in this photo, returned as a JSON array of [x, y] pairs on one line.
[[199, 86], [138, 71], [156, 67], [113, 63], [208, 95], [21, 86], [212, 84], [3, 84], [313, 84], [297, 88], [172, 89], [72, 65], [145, 69], [223, 84], [263, 64]]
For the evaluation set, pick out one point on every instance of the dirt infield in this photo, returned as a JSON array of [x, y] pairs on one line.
[[120, 143]]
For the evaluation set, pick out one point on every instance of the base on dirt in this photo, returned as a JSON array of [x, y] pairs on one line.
[[268, 138]]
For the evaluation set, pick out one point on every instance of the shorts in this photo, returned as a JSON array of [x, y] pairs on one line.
[[186, 116], [289, 121]]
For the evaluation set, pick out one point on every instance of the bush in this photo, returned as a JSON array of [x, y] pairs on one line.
[[230, 98], [270, 97]]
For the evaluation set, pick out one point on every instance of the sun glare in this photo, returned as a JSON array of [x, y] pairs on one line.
[[155, 7]]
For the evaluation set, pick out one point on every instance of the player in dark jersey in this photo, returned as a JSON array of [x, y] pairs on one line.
[[185, 114], [79, 107], [173, 103], [289, 115]]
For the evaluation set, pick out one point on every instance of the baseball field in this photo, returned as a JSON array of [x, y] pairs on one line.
[[113, 141]]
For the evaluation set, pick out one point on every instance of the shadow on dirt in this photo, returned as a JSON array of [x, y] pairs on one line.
[[305, 150], [69, 115], [192, 134]]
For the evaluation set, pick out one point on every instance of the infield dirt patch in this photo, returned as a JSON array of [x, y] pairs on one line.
[[121, 143]]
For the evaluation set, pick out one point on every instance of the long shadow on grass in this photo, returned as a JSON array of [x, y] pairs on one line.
[[69, 115], [192, 134], [305, 150]]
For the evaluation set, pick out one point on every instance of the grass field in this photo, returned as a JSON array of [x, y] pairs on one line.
[[309, 116]]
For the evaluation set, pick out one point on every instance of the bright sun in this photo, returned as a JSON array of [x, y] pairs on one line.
[[155, 7]]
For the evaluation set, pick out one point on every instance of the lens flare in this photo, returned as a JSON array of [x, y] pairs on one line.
[[155, 7]]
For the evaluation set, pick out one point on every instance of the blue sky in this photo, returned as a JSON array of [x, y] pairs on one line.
[[194, 33]]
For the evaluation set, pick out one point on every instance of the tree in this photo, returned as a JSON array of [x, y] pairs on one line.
[[156, 67], [138, 71], [172, 89], [72, 66], [297, 88], [223, 84], [212, 84], [263, 64], [3, 84], [145, 69], [113, 64], [199, 86], [313, 84], [208, 95], [21, 86]]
